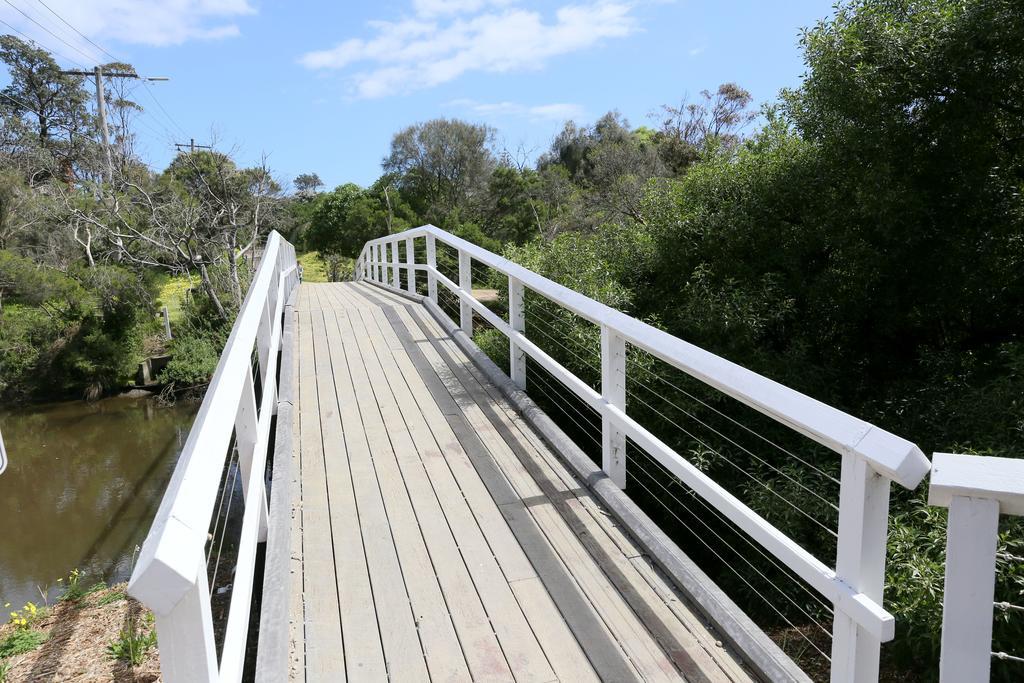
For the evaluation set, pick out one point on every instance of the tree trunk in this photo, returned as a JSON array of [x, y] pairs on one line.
[[208, 288]]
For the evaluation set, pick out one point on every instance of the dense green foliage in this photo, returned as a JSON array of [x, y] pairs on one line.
[[61, 332], [85, 233], [865, 246]]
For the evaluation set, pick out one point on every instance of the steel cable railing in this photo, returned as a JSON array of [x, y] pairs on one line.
[[606, 383]]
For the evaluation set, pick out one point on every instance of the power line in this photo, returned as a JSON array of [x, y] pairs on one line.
[[69, 25], [30, 18], [107, 52], [34, 41]]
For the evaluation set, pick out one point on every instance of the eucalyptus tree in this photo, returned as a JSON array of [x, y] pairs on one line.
[[442, 166], [46, 104]]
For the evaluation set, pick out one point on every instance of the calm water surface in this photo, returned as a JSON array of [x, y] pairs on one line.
[[81, 488]]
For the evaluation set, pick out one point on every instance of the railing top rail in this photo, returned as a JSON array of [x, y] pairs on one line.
[[892, 456], [168, 561], [977, 476]]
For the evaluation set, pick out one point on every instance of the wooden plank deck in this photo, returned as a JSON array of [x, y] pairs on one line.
[[437, 537]]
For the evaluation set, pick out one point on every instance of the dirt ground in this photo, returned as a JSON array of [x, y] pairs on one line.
[[79, 635]]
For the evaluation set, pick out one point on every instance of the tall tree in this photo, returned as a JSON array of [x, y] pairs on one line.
[[442, 166], [50, 103]]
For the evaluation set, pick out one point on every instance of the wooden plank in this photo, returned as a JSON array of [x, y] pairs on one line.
[[687, 641], [403, 655], [535, 441], [563, 651], [364, 652], [631, 630], [530, 471], [712, 643], [411, 568], [524, 654], [745, 638], [277, 623], [296, 614], [483, 654], [324, 651], [644, 651]]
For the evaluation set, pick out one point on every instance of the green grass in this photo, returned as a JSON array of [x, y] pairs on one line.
[[133, 643], [312, 267], [112, 596], [20, 641], [173, 289]]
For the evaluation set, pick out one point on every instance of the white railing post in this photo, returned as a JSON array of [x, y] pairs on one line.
[[466, 285], [246, 435], [860, 563], [188, 652], [613, 390], [396, 280], [976, 489], [431, 268], [967, 603], [517, 321], [410, 260], [380, 263]]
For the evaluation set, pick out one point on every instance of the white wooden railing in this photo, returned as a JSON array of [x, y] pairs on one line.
[[871, 457], [3, 455], [977, 490], [171, 574]]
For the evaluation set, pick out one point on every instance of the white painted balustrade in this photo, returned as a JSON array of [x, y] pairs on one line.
[[871, 457], [977, 490], [171, 575]]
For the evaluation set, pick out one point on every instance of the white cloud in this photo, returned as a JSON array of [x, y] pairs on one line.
[[439, 7], [556, 111], [143, 22], [425, 50], [693, 52]]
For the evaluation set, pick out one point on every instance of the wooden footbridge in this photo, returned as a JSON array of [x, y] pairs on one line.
[[410, 514]]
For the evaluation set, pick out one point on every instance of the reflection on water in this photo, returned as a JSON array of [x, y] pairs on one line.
[[81, 488]]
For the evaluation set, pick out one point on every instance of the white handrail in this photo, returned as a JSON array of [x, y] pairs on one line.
[[977, 490], [170, 576], [871, 457]]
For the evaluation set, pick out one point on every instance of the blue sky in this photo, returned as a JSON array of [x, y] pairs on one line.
[[322, 86]]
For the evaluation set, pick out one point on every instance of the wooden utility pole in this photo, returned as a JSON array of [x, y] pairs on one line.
[[101, 105], [191, 146], [101, 108]]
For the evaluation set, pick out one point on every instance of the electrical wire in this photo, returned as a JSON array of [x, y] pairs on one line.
[[145, 84], [69, 25], [25, 14], [34, 41]]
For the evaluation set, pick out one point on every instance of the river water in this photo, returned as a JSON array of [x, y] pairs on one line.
[[81, 488]]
